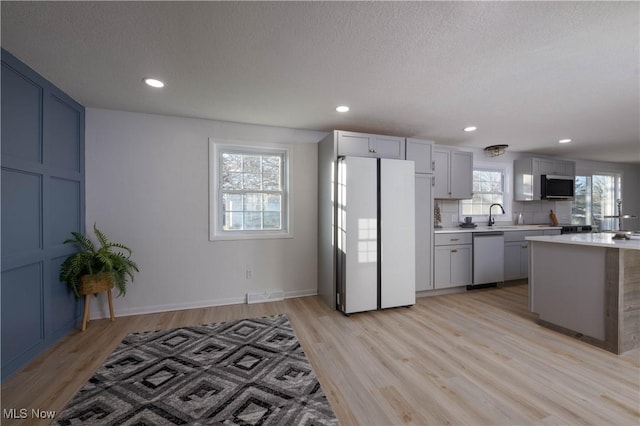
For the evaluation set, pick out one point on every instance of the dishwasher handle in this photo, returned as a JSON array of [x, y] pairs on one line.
[[488, 234]]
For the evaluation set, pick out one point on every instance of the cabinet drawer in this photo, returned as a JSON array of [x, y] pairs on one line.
[[454, 238], [519, 235]]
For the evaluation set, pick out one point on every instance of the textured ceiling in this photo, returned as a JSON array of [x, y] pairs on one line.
[[526, 73]]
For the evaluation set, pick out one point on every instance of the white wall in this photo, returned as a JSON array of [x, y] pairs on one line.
[[147, 187]]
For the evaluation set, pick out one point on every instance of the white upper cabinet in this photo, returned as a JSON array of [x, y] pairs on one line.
[[368, 145], [421, 153], [453, 174]]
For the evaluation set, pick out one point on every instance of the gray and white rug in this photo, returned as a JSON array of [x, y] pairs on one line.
[[246, 372]]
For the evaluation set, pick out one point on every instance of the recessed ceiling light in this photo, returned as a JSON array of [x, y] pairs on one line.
[[153, 82], [470, 129], [564, 141], [342, 108]]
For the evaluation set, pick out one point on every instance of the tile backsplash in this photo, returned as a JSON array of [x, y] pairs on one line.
[[533, 212]]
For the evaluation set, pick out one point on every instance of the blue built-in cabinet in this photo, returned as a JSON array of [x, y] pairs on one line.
[[42, 202]]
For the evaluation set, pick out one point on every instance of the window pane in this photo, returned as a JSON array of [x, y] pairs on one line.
[[271, 163], [232, 221], [252, 220], [251, 164], [252, 181], [271, 181], [272, 220], [231, 162], [231, 180], [272, 202], [253, 202], [495, 187], [231, 202]]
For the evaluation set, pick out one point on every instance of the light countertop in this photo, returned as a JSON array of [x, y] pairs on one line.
[[602, 239], [503, 228]]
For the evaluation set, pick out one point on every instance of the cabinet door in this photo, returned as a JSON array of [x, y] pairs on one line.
[[461, 175], [424, 232], [366, 145], [570, 168], [387, 147], [420, 152], [354, 144], [441, 174], [461, 265], [544, 167], [442, 267], [512, 260]]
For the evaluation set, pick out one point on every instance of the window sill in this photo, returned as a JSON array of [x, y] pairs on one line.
[[244, 235]]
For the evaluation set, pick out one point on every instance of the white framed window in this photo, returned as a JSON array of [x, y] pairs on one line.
[[489, 187], [249, 195]]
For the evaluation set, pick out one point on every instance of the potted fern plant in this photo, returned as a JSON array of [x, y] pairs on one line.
[[110, 265], [97, 268]]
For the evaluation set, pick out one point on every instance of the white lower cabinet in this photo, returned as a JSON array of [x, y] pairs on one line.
[[452, 260], [516, 252], [516, 260]]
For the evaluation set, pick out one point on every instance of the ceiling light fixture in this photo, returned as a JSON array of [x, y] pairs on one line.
[[342, 108], [470, 129], [495, 150], [564, 141], [153, 82]]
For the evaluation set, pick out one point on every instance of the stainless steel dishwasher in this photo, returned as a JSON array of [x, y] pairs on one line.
[[488, 257]]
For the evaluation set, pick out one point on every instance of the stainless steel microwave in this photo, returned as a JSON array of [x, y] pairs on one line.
[[554, 187]]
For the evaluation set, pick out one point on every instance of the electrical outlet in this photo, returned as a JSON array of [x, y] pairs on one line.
[[249, 273]]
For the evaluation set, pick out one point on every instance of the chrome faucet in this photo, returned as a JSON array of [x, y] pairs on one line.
[[492, 220]]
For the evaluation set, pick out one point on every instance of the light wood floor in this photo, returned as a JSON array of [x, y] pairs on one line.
[[473, 358]]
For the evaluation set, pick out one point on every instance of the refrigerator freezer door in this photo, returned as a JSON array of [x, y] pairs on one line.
[[397, 236], [358, 234]]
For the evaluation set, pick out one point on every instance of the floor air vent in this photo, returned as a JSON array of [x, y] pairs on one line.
[[265, 296]]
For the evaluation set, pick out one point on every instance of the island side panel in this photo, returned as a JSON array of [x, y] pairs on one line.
[[629, 309], [568, 286]]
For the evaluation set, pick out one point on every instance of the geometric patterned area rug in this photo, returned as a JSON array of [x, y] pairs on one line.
[[246, 372]]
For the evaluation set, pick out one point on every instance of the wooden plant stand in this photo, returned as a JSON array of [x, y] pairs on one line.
[[92, 284]]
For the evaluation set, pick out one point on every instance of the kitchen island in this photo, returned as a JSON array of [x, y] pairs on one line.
[[587, 286]]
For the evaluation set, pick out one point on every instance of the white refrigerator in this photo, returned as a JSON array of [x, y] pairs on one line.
[[376, 234]]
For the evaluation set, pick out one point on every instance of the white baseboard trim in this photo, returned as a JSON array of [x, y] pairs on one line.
[[300, 293], [125, 312]]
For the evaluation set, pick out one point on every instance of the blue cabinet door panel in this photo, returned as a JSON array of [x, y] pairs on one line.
[[21, 116], [42, 203], [61, 137], [21, 211], [22, 316], [65, 199], [61, 312]]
